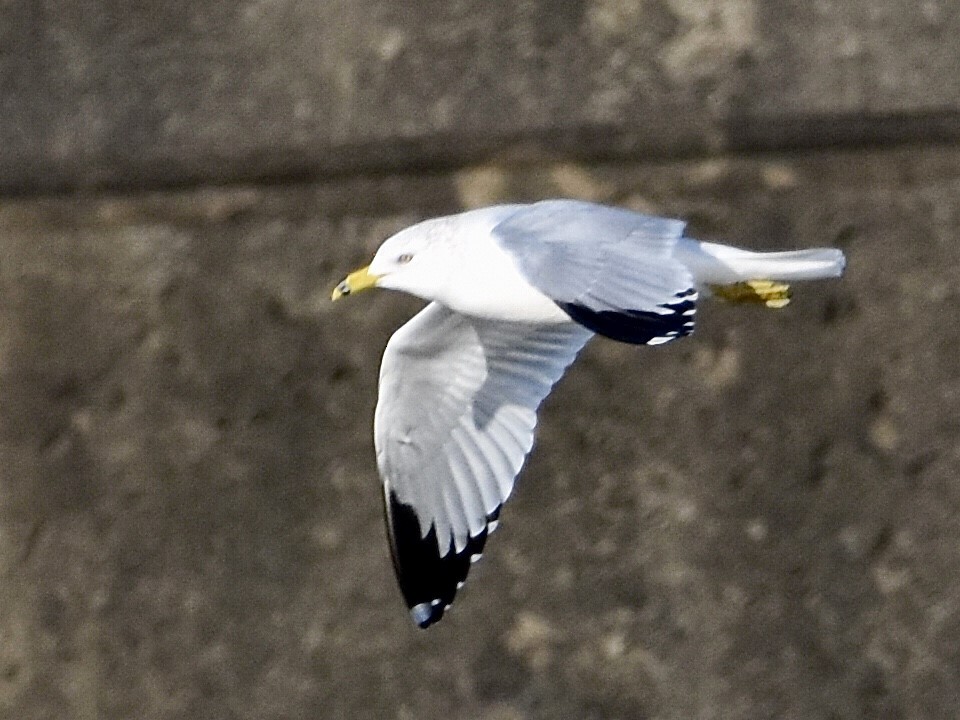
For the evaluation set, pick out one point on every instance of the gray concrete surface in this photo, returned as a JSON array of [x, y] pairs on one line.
[[132, 95], [760, 521]]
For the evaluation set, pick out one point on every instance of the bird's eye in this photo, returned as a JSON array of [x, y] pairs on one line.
[[405, 258]]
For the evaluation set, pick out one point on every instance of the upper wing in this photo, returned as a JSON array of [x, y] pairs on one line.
[[454, 422], [610, 269]]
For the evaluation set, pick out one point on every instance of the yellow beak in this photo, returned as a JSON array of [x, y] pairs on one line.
[[355, 282]]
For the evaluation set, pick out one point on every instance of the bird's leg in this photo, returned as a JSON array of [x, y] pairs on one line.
[[758, 292]]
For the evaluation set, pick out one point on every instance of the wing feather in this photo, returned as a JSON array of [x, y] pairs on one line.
[[464, 476], [612, 270], [454, 423], [480, 469]]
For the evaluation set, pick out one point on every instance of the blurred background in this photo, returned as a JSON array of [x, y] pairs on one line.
[[757, 522]]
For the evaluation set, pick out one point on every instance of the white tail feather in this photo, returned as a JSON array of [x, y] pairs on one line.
[[711, 263]]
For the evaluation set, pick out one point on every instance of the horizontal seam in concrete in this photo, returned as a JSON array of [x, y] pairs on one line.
[[427, 155]]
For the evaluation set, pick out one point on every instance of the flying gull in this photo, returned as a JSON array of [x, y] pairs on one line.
[[515, 292]]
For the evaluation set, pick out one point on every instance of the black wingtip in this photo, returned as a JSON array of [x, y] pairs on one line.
[[427, 580], [640, 327]]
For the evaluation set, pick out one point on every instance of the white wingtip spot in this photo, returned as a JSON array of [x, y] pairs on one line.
[[421, 613]]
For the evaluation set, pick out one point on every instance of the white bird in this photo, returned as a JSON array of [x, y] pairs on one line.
[[515, 292]]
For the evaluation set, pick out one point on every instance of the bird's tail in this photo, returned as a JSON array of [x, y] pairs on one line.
[[751, 277]]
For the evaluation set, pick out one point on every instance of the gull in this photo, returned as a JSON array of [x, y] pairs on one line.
[[514, 292]]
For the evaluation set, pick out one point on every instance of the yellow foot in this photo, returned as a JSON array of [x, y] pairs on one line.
[[763, 292]]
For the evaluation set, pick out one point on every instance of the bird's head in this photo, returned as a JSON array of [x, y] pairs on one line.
[[411, 261]]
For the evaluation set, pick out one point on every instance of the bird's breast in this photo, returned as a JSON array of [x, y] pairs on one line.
[[489, 285]]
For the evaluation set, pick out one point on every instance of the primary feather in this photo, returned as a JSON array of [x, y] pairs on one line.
[[453, 426]]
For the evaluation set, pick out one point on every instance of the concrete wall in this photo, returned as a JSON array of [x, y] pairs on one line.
[[759, 521], [112, 95]]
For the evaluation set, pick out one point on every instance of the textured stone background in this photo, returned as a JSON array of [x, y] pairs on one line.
[[758, 522]]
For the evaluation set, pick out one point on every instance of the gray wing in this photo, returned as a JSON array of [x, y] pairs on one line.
[[610, 269], [454, 423]]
